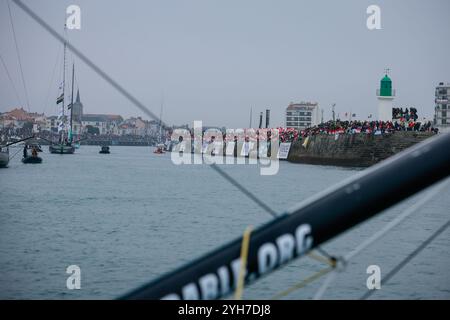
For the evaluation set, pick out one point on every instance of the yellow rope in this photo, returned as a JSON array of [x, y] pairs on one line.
[[244, 256], [303, 283], [316, 257]]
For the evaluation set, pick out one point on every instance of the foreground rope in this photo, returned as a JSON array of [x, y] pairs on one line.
[[243, 268], [332, 262], [303, 283]]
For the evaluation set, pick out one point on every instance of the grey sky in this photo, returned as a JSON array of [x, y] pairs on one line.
[[213, 60]]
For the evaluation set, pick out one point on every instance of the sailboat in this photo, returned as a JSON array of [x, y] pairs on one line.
[[64, 144], [4, 151]]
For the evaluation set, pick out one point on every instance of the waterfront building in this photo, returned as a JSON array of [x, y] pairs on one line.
[[385, 95], [134, 126], [442, 107], [302, 115], [51, 124], [102, 123], [18, 117]]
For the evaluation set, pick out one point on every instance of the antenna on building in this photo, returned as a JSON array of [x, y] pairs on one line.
[[332, 111], [260, 120]]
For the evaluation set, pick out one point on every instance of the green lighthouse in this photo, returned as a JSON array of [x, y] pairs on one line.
[[385, 95], [386, 87]]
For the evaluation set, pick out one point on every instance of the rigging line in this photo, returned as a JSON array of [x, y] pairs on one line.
[[303, 283], [10, 158], [10, 79], [328, 280], [389, 226], [408, 258], [332, 264], [243, 190], [329, 261], [51, 81], [326, 254], [18, 57], [125, 93]]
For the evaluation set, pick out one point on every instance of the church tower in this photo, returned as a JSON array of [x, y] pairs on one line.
[[385, 95], [77, 114]]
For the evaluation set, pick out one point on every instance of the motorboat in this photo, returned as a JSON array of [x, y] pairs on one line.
[[104, 150], [32, 159], [159, 149]]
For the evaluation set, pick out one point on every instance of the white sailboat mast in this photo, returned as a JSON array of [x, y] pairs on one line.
[[64, 74]]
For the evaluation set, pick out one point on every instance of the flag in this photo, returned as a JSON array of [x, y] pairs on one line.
[[60, 99], [305, 144]]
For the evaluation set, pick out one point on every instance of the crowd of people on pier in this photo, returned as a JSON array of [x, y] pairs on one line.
[[402, 115], [288, 134], [374, 127], [369, 127]]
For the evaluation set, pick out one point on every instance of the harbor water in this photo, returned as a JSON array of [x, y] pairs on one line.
[[130, 216]]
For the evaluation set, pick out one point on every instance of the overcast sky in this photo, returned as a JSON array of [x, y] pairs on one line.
[[212, 60]]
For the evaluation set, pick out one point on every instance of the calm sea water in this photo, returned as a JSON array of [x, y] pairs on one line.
[[128, 217]]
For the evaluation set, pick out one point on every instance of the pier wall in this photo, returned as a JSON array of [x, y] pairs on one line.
[[355, 150]]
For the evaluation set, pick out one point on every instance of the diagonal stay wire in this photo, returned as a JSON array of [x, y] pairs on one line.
[[244, 190], [51, 80], [10, 79], [130, 97], [408, 258], [18, 57]]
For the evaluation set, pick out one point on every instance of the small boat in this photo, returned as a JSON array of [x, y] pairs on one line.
[[4, 151], [61, 148], [104, 150], [32, 159], [159, 149], [4, 157]]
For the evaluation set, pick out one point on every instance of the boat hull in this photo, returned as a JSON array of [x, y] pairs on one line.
[[61, 149], [4, 159], [32, 160]]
